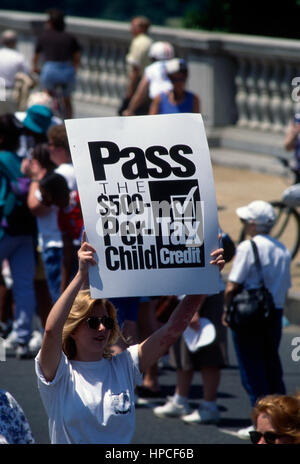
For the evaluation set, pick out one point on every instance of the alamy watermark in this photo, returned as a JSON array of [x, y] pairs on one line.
[[296, 351], [2, 89], [124, 215], [2, 350]]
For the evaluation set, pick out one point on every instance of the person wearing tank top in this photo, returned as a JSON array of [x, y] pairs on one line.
[[177, 100]]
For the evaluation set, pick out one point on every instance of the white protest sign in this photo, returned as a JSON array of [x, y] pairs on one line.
[[149, 206]]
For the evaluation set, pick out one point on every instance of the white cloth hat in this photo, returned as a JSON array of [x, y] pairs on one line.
[[161, 51], [176, 65], [260, 212]]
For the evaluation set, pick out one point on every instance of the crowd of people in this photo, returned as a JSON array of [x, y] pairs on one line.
[[96, 358]]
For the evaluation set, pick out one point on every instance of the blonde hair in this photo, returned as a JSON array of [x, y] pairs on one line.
[[81, 309], [284, 413]]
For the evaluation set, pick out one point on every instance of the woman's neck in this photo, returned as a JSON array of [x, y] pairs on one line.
[[177, 97]]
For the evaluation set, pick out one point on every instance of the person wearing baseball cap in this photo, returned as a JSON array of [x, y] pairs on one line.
[[177, 99], [258, 351], [155, 79], [258, 212]]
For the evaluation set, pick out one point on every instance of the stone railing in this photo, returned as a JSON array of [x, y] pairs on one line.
[[244, 82], [264, 82]]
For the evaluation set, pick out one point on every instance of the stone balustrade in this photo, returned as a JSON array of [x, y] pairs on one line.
[[244, 82]]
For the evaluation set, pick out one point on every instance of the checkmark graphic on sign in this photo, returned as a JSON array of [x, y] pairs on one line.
[[180, 209]]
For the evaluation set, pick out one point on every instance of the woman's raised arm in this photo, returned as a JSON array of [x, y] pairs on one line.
[[51, 350], [160, 341]]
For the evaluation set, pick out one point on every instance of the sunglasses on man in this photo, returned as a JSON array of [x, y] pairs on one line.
[[269, 437], [94, 322]]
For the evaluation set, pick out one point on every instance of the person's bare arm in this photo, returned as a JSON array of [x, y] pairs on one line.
[[154, 107], [291, 136], [34, 204], [138, 98], [230, 290], [51, 350], [196, 104], [160, 341], [76, 60], [35, 63], [133, 80], [32, 169]]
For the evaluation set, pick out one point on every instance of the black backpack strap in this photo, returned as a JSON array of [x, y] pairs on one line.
[[257, 261]]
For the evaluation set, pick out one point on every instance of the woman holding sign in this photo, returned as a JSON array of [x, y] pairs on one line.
[[87, 393]]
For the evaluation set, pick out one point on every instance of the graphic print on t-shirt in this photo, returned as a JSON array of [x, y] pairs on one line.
[[120, 403]]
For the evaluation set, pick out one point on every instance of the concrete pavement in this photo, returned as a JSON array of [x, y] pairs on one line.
[[18, 377], [236, 184]]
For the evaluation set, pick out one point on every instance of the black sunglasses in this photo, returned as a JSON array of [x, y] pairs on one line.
[[269, 437], [177, 79], [94, 322]]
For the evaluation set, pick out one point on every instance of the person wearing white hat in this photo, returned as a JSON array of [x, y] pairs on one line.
[[178, 99], [257, 351], [155, 79]]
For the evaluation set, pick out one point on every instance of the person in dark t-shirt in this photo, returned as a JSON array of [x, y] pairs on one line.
[[61, 53]]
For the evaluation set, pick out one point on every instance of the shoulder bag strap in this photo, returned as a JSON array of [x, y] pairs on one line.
[[257, 261]]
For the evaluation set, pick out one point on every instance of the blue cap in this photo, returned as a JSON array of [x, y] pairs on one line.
[[38, 119]]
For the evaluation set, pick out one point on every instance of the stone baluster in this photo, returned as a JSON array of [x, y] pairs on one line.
[[83, 74], [252, 101], [121, 72], [287, 102], [264, 97], [87, 74], [94, 96], [276, 99], [78, 92], [241, 92], [104, 74], [112, 70]]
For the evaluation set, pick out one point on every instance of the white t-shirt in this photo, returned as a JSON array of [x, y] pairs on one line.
[[11, 62], [49, 235], [138, 51], [92, 402], [158, 80], [49, 232], [275, 260]]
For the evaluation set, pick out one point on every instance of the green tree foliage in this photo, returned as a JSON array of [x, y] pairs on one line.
[[118, 10], [259, 17], [255, 17]]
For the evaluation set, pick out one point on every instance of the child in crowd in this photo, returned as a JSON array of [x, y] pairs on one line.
[[54, 190]]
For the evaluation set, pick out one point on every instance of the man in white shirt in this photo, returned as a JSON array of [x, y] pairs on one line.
[[11, 63], [257, 350]]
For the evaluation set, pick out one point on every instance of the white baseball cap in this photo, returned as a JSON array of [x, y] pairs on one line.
[[176, 65], [161, 51], [260, 212]]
